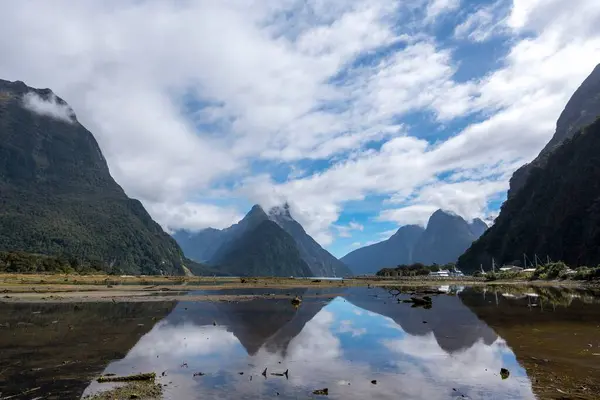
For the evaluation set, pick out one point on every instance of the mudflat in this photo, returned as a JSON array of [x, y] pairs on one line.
[[95, 288]]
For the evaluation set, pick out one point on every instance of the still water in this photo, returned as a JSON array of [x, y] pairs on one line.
[[358, 343]]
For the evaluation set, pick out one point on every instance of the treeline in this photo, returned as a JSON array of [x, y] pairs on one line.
[[547, 272], [416, 269], [26, 263]]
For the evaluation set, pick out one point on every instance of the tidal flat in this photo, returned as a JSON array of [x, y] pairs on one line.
[[473, 342]]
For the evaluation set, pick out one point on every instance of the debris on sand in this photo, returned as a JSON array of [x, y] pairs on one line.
[[296, 301], [130, 378], [424, 301], [264, 373], [321, 392], [504, 373], [199, 374], [284, 374]]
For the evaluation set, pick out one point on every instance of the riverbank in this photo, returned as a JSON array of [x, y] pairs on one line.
[[98, 288]]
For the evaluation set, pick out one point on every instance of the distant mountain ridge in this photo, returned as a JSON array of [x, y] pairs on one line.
[[221, 248], [58, 197], [446, 237]]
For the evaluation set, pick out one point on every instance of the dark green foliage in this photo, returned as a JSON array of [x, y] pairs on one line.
[[586, 274], [556, 213], [19, 262], [413, 270], [550, 271], [267, 250], [57, 196]]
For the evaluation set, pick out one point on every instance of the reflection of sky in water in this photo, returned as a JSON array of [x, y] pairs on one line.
[[342, 347]]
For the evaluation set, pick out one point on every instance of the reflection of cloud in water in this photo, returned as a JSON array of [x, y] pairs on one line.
[[342, 347], [346, 326]]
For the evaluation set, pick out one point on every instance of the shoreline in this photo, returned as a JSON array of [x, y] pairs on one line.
[[16, 288]]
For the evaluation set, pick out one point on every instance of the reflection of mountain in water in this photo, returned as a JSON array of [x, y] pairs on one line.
[[342, 344], [454, 326], [60, 347], [256, 323]]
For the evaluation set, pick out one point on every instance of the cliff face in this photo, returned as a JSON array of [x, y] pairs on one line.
[[57, 196], [580, 111], [447, 236], [555, 214]]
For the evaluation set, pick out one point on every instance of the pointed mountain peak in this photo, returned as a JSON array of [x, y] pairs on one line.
[[441, 215], [256, 211], [408, 229]]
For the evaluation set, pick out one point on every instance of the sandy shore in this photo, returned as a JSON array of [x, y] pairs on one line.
[[94, 288]]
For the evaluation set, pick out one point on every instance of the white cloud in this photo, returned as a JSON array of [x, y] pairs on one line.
[[50, 107], [281, 83], [484, 23], [436, 8], [345, 231], [194, 216]]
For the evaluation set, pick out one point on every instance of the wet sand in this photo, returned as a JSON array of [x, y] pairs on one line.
[[98, 288]]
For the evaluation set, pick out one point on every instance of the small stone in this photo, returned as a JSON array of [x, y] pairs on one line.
[[504, 373], [374, 382]]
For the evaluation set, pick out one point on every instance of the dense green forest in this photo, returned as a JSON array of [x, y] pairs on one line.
[[58, 198], [19, 262], [416, 269]]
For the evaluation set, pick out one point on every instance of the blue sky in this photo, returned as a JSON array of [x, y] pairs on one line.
[[364, 115]]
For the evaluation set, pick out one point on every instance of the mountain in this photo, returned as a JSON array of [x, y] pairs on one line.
[[201, 245], [555, 214], [266, 250], [478, 227], [216, 246], [320, 261], [447, 236], [581, 110], [553, 209], [58, 197], [396, 250]]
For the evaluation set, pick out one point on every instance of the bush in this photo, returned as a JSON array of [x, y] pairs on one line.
[[551, 271]]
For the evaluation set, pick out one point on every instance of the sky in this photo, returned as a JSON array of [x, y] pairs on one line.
[[364, 115]]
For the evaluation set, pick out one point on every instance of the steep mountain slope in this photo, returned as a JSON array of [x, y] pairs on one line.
[[201, 245], [478, 227], [396, 250], [556, 213], [580, 111], [266, 250], [57, 196], [447, 236], [320, 261], [216, 245]]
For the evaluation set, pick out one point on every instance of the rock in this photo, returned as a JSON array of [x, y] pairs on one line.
[[504, 373], [374, 382], [296, 301], [321, 392]]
